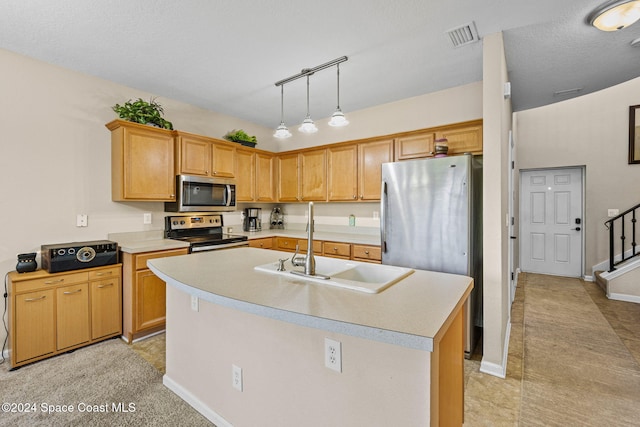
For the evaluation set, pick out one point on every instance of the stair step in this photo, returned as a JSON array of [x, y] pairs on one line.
[[601, 281]]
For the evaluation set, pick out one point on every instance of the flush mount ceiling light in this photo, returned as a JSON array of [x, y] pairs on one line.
[[307, 126], [338, 119], [615, 15], [282, 132]]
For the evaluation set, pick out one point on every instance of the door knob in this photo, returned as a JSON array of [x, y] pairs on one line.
[[577, 228]]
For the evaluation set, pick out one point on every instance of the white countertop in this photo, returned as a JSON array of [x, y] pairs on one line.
[[409, 313], [361, 239]]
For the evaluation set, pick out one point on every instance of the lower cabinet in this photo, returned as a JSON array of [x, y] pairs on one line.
[[264, 243], [53, 313], [143, 294], [357, 252]]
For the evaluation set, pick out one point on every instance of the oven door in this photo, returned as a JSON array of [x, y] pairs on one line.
[[202, 194]]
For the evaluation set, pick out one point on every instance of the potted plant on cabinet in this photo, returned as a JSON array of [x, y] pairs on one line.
[[241, 137], [141, 111]]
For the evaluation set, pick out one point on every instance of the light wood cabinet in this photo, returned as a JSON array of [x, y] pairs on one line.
[[142, 162], [246, 175], [336, 250], [415, 146], [264, 243], [345, 250], [303, 245], [53, 313], [342, 171], [143, 294], [464, 139], [367, 253], [286, 244], [371, 156], [288, 178], [313, 175], [265, 177], [203, 156]]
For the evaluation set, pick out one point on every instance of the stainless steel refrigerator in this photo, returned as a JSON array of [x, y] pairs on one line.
[[431, 219]]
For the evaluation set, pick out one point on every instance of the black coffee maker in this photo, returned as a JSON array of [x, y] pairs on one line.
[[252, 221]]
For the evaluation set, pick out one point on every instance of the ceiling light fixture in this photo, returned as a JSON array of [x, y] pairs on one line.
[[307, 126], [615, 15], [338, 119], [282, 132]]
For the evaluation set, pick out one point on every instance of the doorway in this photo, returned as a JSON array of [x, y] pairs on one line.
[[552, 221]]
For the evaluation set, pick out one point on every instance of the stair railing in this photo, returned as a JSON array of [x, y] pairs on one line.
[[619, 222]]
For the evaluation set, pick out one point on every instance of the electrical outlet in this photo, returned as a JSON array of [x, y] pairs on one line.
[[82, 220], [333, 354], [194, 303], [236, 377], [146, 218]]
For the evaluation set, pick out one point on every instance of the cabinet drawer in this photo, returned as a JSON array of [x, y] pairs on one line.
[[337, 249], [141, 260], [105, 273], [52, 280], [366, 252], [261, 243], [287, 243], [303, 244]]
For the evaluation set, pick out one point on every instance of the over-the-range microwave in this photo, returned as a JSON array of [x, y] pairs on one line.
[[203, 194]]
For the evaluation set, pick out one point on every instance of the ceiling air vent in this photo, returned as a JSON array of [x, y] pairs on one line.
[[464, 34]]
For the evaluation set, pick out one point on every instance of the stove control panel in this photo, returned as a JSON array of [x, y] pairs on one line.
[[191, 222]]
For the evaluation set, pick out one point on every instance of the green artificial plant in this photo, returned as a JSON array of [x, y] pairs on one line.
[[141, 111]]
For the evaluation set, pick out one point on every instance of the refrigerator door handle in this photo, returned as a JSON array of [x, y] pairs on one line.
[[383, 210]]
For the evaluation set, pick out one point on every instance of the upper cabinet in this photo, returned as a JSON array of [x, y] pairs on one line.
[[371, 156], [288, 178], [302, 176], [265, 177], [463, 139], [255, 176], [142, 162], [199, 155], [415, 146]]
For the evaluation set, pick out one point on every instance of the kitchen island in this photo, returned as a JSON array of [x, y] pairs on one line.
[[400, 351]]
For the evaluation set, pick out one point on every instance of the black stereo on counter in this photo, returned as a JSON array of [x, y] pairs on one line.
[[78, 255]]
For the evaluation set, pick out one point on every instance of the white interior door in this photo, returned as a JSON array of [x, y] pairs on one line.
[[551, 221]]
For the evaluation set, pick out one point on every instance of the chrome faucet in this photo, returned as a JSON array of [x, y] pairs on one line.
[[308, 261]]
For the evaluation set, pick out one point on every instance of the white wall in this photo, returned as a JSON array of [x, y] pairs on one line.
[[591, 130], [55, 160]]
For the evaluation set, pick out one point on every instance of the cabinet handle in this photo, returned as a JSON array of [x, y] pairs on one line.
[[105, 273], [72, 292], [105, 285], [335, 249], [35, 299], [366, 252], [50, 282], [361, 196], [355, 197]]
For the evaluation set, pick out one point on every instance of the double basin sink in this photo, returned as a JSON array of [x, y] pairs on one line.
[[357, 276]]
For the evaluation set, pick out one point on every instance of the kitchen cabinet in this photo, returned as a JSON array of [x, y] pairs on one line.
[[342, 171], [143, 294], [264, 243], [246, 175], [142, 162], [371, 156], [286, 244], [313, 175], [203, 156], [415, 146], [366, 253], [336, 250], [265, 177], [288, 177], [53, 313], [463, 139]]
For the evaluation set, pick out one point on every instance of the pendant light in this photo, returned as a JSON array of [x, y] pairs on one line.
[[307, 125], [282, 132], [338, 118], [615, 15]]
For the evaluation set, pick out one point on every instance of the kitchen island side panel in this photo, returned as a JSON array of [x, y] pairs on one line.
[[285, 381]]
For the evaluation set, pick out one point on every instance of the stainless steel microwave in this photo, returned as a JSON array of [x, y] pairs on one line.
[[202, 194]]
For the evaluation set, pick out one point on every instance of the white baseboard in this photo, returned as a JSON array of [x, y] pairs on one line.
[[498, 370], [195, 403], [588, 278], [624, 297]]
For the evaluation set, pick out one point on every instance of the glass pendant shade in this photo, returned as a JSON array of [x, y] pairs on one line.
[[616, 16], [282, 131], [308, 126], [338, 119]]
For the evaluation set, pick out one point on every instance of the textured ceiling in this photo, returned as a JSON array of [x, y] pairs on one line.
[[226, 55]]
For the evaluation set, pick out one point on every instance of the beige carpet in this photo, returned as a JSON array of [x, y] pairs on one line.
[[103, 374], [577, 371]]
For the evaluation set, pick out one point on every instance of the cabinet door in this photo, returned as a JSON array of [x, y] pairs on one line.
[[72, 315], [288, 178], [223, 160], [150, 300], [371, 157], [286, 243], [415, 146], [336, 249], [342, 168], [148, 166], [463, 140], [265, 174], [34, 321], [313, 174], [245, 172], [106, 315], [195, 156], [265, 243]]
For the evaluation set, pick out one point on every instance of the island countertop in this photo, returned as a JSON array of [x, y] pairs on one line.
[[410, 313]]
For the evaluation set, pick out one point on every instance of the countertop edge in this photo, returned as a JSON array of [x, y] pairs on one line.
[[366, 332]]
